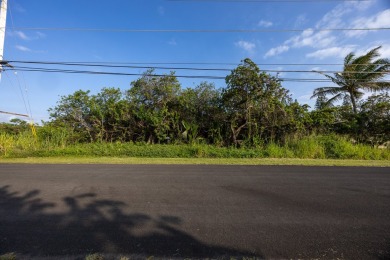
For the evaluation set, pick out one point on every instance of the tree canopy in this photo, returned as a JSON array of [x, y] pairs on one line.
[[253, 109], [361, 73]]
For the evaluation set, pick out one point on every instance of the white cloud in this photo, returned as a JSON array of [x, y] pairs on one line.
[[264, 23], [385, 51], [360, 5], [309, 38], [301, 20], [335, 17], [327, 43], [380, 20], [338, 52], [172, 42], [247, 46], [41, 35], [276, 51], [22, 48], [20, 35]]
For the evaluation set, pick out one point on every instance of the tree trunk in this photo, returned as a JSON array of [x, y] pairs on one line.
[[236, 132], [353, 101]]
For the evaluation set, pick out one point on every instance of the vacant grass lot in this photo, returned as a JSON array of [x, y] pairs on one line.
[[199, 161], [310, 150]]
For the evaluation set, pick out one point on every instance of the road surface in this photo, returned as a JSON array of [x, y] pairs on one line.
[[182, 211]]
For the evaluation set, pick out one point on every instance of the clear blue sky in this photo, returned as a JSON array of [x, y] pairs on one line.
[[44, 89]]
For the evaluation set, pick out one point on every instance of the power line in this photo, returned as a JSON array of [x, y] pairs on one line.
[[117, 30], [48, 70], [20, 88], [173, 68], [29, 111], [270, 1], [176, 63], [110, 73], [13, 114], [119, 66]]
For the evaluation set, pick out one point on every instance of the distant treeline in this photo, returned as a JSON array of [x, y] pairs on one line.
[[254, 109]]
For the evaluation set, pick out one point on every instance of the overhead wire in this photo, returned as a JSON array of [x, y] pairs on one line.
[[130, 63], [112, 65], [269, 1], [12, 85], [28, 105], [50, 70], [35, 69], [13, 114], [123, 30], [26, 91]]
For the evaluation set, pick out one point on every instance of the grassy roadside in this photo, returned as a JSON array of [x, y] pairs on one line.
[[197, 161]]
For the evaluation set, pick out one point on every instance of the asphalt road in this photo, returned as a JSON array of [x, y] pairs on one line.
[[69, 211]]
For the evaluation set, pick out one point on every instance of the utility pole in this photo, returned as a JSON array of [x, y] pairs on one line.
[[3, 20]]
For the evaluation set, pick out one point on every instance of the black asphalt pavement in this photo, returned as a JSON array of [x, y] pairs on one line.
[[223, 212]]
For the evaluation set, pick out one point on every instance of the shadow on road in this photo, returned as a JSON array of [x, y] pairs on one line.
[[31, 226]]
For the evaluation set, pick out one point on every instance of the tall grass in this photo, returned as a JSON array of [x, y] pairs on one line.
[[10, 144], [58, 143]]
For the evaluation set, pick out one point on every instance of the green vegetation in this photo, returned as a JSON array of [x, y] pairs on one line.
[[197, 161], [9, 256], [254, 116], [360, 73], [94, 257], [97, 256], [309, 147]]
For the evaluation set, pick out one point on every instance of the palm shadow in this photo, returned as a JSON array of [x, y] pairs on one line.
[[32, 227]]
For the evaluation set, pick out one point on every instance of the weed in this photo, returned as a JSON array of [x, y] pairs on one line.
[[94, 257], [9, 256], [55, 144]]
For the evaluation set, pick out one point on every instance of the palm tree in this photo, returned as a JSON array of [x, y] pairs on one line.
[[360, 74]]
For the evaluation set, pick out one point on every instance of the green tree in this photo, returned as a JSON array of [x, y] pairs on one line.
[[201, 113], [109, 114], [152, 99], [74, 112], [255, 104], [375, 119], [322, 102], [362, 73]]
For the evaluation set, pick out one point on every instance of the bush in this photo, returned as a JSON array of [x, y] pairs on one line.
[[275, 151], [311, 147], [9, 256], [94, 257], [307, 147]]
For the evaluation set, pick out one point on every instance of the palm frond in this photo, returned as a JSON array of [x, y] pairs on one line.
[[368, 57], [337, 79], [349, 58], [360, 73], [379, 85], [362, 62], [326, 91], [334, 99]]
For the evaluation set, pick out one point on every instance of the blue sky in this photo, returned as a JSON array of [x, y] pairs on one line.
[[42, 90]]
